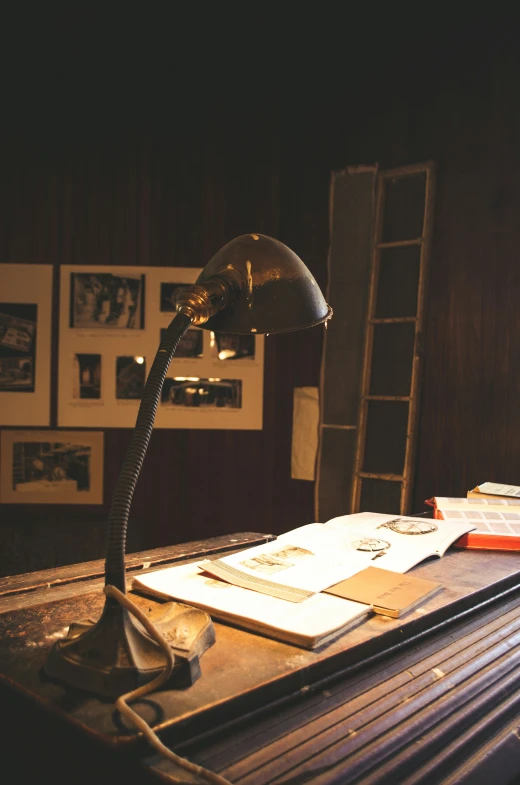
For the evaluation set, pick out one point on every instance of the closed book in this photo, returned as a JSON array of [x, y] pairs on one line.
[[389, 593]]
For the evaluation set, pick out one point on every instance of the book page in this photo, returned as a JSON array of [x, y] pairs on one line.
[[409, 540], [314, 557], [308, 621]]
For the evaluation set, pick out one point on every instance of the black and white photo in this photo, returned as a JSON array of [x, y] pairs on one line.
[[233, 347], [106, 300], [130, 377], [191, 392], [87, 376], [167, 304], [51, 467], [191, 345], [18, 323]]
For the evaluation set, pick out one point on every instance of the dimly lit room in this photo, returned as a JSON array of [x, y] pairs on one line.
[[259, 325]]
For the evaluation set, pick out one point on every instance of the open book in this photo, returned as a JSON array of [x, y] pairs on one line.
[[496, 521], [275, 588], [313, 557]]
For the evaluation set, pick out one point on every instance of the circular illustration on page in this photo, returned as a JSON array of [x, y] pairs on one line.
[[373, 544], [402, 526]]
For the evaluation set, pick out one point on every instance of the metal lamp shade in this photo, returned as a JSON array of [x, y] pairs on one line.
[[277, 291]]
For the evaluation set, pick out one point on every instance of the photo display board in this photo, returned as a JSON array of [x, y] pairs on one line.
[[111, 322], [25, 343]]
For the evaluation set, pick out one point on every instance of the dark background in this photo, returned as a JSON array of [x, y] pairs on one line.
[[155, 140]]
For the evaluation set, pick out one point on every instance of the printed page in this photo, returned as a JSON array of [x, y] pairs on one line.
[[315, 618], [314, 557], [308, 559], [400, 542], [500, 489]]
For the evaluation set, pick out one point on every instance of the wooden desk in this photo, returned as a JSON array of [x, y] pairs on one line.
[[433, 697]]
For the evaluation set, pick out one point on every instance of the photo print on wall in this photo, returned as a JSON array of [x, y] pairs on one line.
[[194, 392], [18, 322], [130, 377], [51, 467], [25, 344], [233, 347], [87, 376], [106, 300], [166, 297], [191, 345]]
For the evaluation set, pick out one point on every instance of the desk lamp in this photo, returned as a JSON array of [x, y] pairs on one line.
[[254, 284]]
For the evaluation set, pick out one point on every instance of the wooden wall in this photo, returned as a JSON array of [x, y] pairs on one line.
[[169, 186]]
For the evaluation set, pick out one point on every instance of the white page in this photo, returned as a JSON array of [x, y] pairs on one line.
[[317, 616], [316, 556], [411, 540]]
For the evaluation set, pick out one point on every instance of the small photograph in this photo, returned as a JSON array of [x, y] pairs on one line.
[[130, 377], [166, 301], [404, 526], [191, 344], [52, 467], [370, 544], [87, 376], [204, 393], [17, 346], [267, 563], [233, 347], [106, 300]]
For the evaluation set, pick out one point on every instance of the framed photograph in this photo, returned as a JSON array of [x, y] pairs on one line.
[[106, 300], [25, 343], [18, 346], [189, 392], [130, 377], [51, 467], [190, 346], [233, 347]]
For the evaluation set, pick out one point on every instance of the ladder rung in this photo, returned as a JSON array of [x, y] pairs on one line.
[[393, 320], [374, 476], [400, 243], [387, 398]]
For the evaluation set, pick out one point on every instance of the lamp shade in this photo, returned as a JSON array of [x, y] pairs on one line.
[[276, 291]]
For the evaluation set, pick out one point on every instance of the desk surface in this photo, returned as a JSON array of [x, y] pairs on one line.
[[264, 711]]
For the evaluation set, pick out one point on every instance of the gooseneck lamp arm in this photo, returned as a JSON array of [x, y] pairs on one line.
[[196, 305], [127, 480], [254, 284]]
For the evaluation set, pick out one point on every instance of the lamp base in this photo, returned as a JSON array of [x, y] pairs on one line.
[[115, 655]]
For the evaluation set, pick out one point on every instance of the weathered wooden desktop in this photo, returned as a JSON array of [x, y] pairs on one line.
[[433, 697]]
